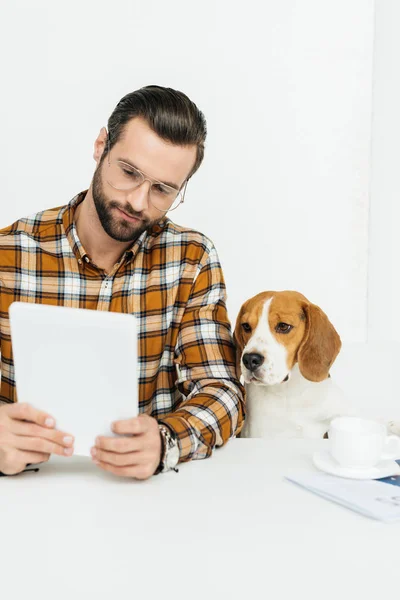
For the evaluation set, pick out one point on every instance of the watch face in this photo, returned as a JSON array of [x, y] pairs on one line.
[[172, 457]]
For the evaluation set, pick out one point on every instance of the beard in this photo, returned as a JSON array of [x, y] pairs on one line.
[[113, 222]]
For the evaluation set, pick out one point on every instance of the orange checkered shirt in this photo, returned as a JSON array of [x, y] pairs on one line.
[[172, 281]]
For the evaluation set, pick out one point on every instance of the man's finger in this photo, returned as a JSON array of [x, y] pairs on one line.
[[136, 425], [32, 430], [120, 444], [121, 460], [35, 444], [136, 472], [26, 412]]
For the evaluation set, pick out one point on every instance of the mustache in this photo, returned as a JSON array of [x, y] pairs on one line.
[[128, 210]]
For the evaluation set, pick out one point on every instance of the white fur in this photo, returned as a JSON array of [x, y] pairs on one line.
[[295, 408]]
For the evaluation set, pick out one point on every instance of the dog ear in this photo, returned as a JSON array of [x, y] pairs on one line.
[[320, 346], [239, 343]]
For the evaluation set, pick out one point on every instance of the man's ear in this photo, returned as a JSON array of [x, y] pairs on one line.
[[100, 144], [320, 346], [238, 342]]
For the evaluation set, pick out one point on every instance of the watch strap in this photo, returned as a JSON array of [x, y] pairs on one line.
[[168, 439]]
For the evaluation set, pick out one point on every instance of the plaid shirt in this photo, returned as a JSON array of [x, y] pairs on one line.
[[171, 280]]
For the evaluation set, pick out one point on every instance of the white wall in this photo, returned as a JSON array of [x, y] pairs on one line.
[[384, 277], [286, 89]]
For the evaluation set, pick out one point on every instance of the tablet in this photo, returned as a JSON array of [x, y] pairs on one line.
[[79, 365]]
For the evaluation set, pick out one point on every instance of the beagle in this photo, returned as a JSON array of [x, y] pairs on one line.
[[285, 347]]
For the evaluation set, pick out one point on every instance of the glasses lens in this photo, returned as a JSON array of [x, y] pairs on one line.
[[164, 197], [123, 177]]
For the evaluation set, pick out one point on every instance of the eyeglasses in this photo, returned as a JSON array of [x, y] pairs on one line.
[[123, 176]]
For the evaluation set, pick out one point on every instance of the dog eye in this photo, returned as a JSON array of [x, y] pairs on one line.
[[283, 328], [246, 327]]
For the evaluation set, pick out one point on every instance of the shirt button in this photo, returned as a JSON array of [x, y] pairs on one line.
[[79, 261]]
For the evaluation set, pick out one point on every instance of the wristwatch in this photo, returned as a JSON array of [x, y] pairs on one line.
[[170, 450]]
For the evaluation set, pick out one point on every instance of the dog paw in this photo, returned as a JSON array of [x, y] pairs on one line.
[[394, 427]]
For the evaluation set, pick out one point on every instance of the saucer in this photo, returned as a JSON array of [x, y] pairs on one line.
[[324, 461]]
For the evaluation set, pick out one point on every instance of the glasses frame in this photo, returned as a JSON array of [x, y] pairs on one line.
[[146, 178]]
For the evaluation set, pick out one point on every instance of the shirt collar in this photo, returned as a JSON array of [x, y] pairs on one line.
[[69, 226]]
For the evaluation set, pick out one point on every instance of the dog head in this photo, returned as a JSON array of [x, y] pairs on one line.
[[276, 330]]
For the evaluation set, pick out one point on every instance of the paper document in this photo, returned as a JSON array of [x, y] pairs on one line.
[[377, 498]]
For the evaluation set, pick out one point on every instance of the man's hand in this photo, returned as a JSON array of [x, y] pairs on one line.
[[135, 456], [27, 435]]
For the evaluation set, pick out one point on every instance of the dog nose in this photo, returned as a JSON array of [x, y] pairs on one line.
[[252, 360]]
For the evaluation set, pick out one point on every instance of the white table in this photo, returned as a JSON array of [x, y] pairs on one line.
[[229, 526]]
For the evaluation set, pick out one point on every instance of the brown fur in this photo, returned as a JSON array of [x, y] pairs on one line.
[[313, 343]]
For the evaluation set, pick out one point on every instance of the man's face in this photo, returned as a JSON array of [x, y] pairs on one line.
[[124, 215]]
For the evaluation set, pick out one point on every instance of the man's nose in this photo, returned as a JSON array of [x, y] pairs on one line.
[[252, 360], [139, 197]]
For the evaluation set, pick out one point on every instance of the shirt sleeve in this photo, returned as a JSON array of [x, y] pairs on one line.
[[213, 408]]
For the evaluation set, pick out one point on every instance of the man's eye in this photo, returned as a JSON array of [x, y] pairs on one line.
[[133, 174], [246, 327], [161, 189], [283, 328]]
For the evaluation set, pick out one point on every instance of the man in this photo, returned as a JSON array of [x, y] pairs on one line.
[[113, 248]]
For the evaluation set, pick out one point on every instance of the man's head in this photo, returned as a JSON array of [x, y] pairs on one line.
[[155, 133]]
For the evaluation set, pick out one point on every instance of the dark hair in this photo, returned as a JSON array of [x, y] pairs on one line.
[[169, 113]]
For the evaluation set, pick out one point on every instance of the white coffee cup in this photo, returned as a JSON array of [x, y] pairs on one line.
[[361, 443]]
